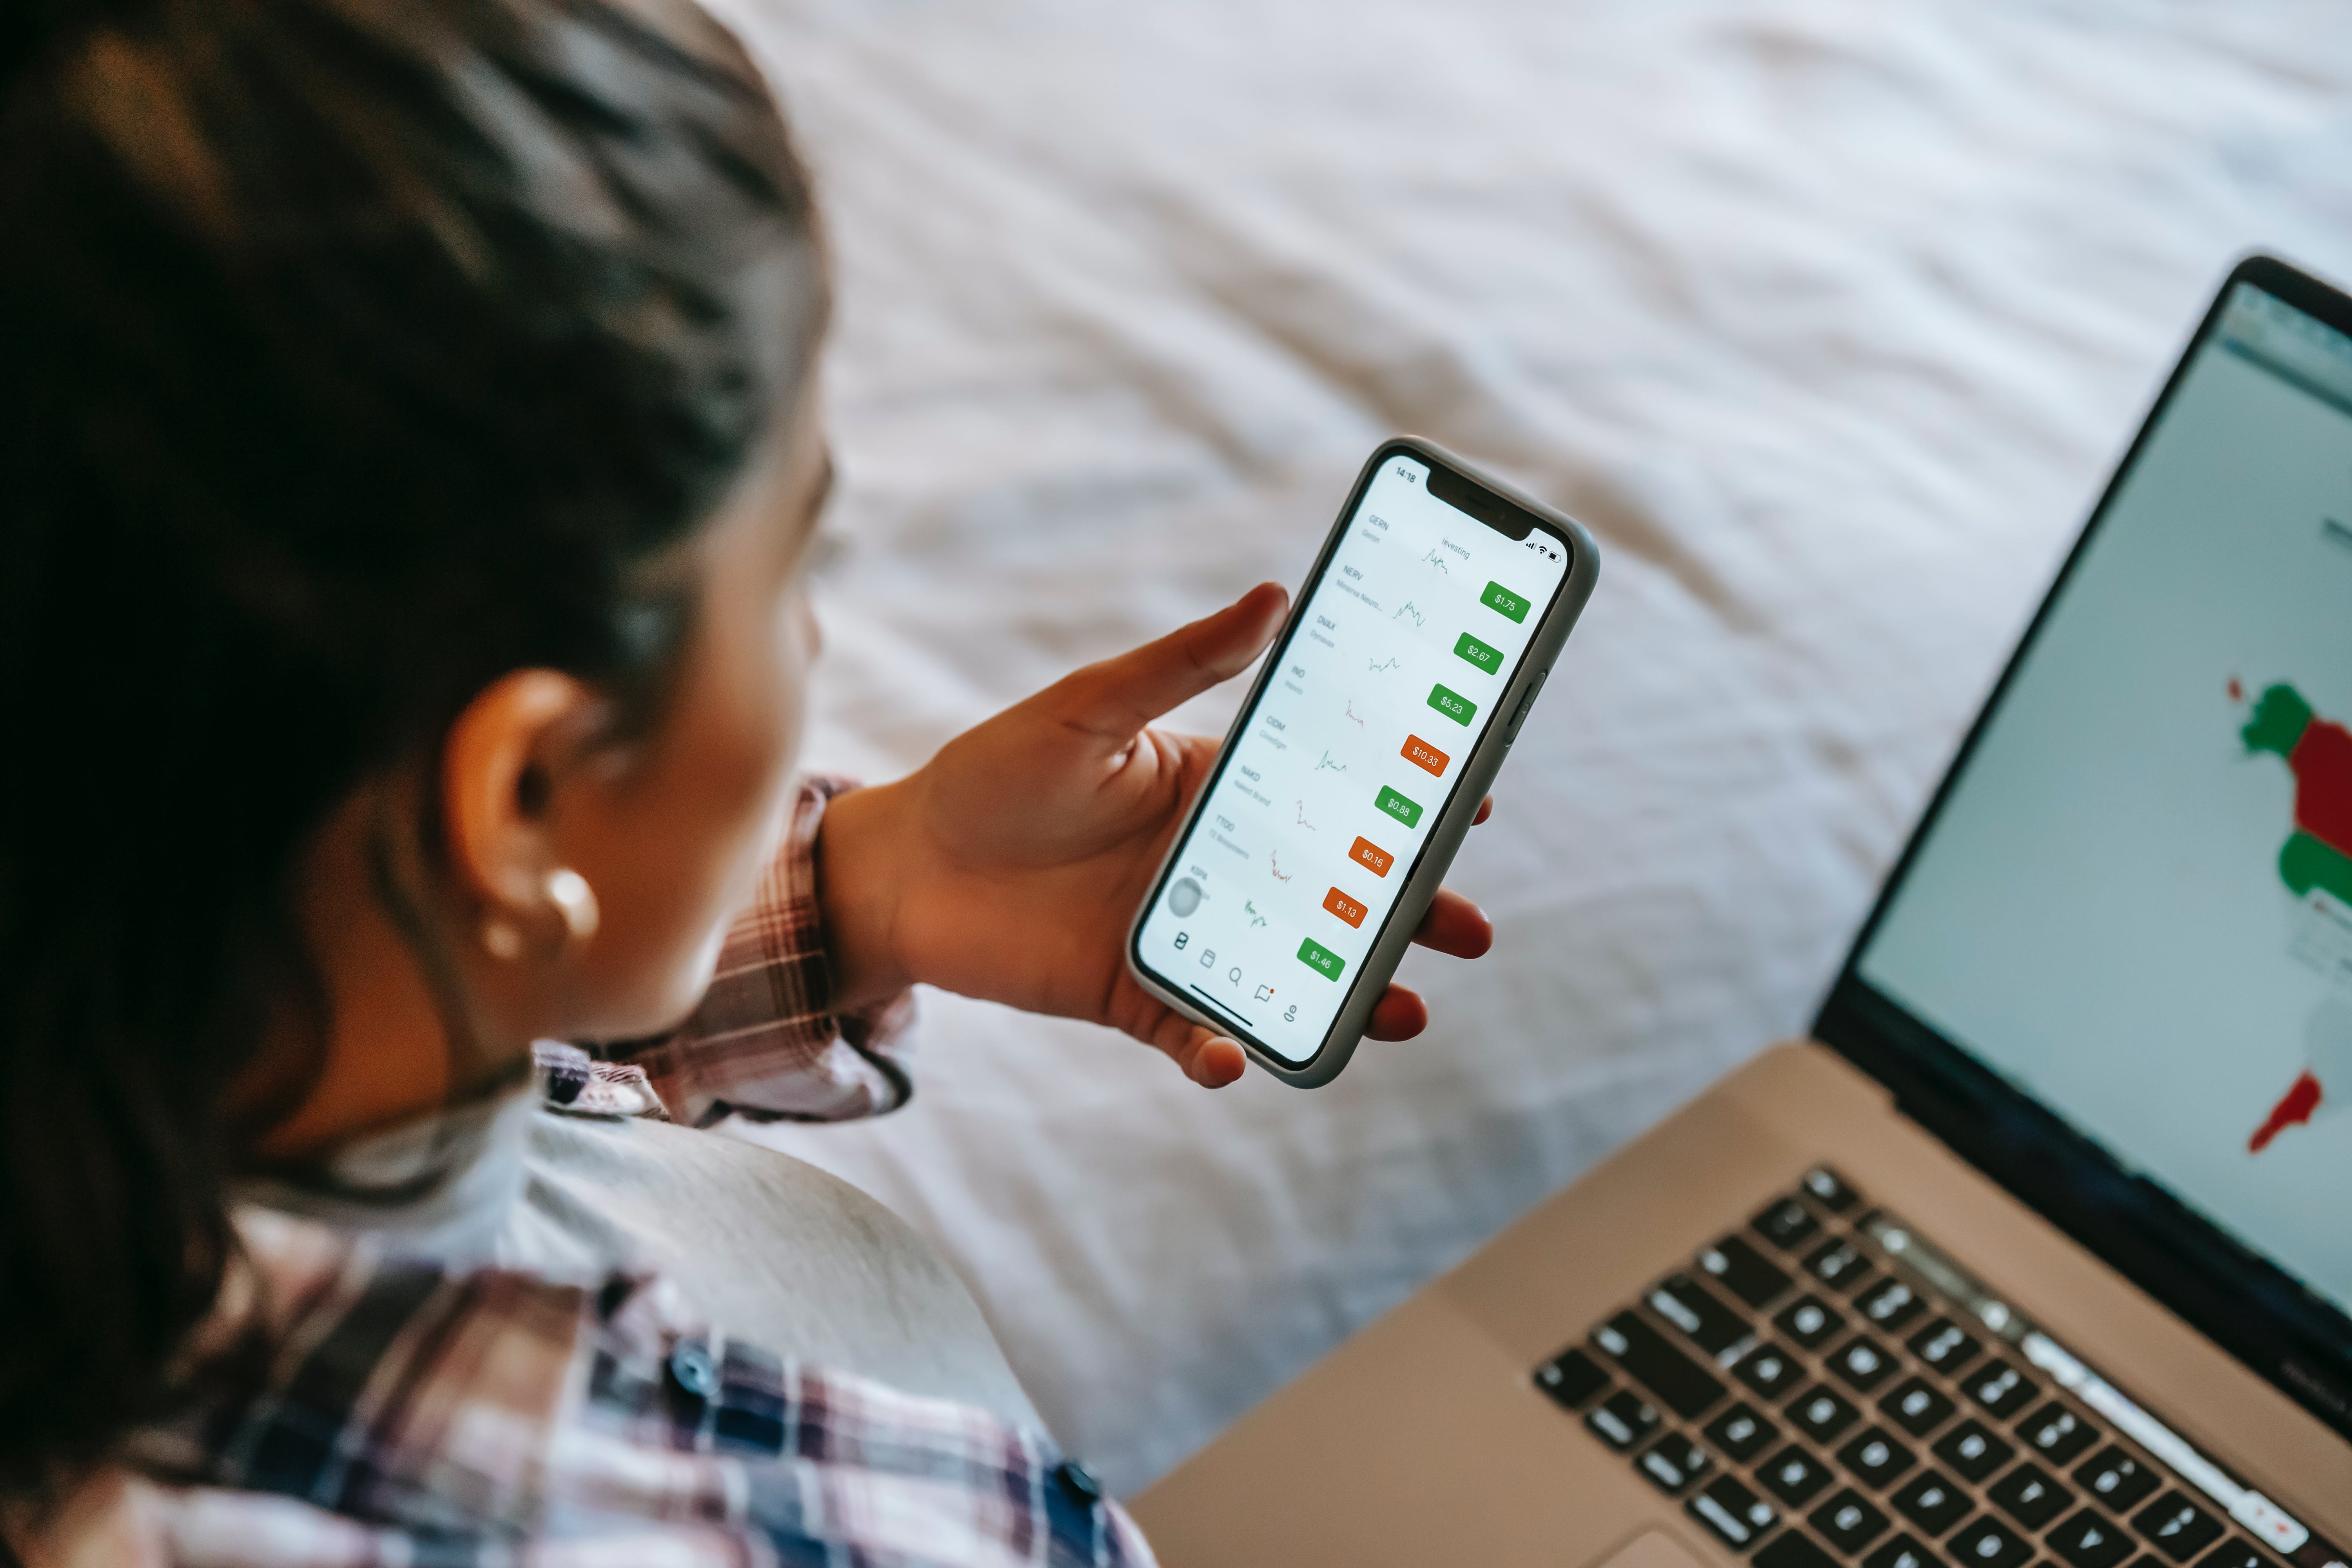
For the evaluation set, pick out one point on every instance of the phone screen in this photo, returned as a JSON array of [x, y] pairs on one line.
[[1392, 674]]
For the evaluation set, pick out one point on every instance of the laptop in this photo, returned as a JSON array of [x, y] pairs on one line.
[[2038, 1253]]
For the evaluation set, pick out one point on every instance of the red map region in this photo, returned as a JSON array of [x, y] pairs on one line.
[[2293, 1109], [2322, 762]]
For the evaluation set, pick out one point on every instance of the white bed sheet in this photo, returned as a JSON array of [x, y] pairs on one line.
[[1828, 318]]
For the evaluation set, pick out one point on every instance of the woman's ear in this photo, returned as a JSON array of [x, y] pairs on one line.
[[518, 741]]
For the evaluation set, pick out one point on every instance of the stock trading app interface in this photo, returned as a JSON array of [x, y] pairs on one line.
[[1392, 676]]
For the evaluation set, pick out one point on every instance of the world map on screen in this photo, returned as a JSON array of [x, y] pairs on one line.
[[2316, 864]]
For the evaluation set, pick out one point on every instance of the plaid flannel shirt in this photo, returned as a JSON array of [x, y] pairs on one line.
[[765, 1040], [395, 1412]]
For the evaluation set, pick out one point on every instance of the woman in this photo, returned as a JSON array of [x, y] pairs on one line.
[[402, 630]]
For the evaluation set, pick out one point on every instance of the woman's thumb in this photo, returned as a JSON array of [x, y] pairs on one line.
[[1120, 696]]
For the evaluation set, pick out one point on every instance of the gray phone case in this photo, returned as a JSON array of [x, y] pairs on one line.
[[1453, 824]]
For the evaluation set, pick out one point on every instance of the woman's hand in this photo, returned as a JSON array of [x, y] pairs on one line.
[[1010, 866]]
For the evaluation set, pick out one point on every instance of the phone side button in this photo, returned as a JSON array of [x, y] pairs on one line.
[[1525, 702]]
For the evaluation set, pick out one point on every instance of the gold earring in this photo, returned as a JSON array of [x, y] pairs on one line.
[[575, 900], [500, 940]]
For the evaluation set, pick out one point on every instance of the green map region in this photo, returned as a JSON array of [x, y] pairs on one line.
[[2318, 853]]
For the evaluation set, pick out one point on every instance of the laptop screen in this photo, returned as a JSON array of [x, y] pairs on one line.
[[2134, 899]]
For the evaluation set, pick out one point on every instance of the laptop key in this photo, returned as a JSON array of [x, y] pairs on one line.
[[2177, 1527], [1741, 1433], [1769, 1370], [1692, 1308], [1972, 1450], [2115, 1478], [1785, 1224], [1827, 1188], [1876, 1459], [2234, 1554], [1889, 1304], [1862, 1365], [1792, 1549], [2028, 1495], [1742, 1270], [1622, 1419], [1944, 1346], [1680, 1383], [1820, 1413], [1917, 1406], [1572, 1378], [2090, 1540], [2001, 1389], [1809, 1320], [1793, 1475], [1987, 1543], [1900, 1553], [1838, 1264], [1847, 1522], [1934, 1502], [1673, 1463], [2057, 1434], [1735, 1515]]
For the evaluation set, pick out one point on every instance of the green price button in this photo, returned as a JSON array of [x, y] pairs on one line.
[[1489, 660], [1320, 959], [1498, 597], [1453, 704], [1405, 811]]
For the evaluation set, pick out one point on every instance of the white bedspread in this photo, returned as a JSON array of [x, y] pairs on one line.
[[1827, 316]]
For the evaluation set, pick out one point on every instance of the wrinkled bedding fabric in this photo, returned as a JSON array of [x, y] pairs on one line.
[[1828, 318]]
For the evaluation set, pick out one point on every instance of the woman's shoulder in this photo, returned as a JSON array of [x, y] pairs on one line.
[[772, 1246], [416, 1399]]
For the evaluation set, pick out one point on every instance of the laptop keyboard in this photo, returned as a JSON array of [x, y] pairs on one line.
[[1812, 1404]]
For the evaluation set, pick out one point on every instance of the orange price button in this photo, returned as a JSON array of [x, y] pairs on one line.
[[1421, 755], [1345, 908], [1367, 853]]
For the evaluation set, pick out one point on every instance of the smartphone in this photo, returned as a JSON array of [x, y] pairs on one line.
[[1345, 787]]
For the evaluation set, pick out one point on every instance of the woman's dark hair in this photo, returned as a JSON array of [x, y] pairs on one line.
[[353, 353]]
